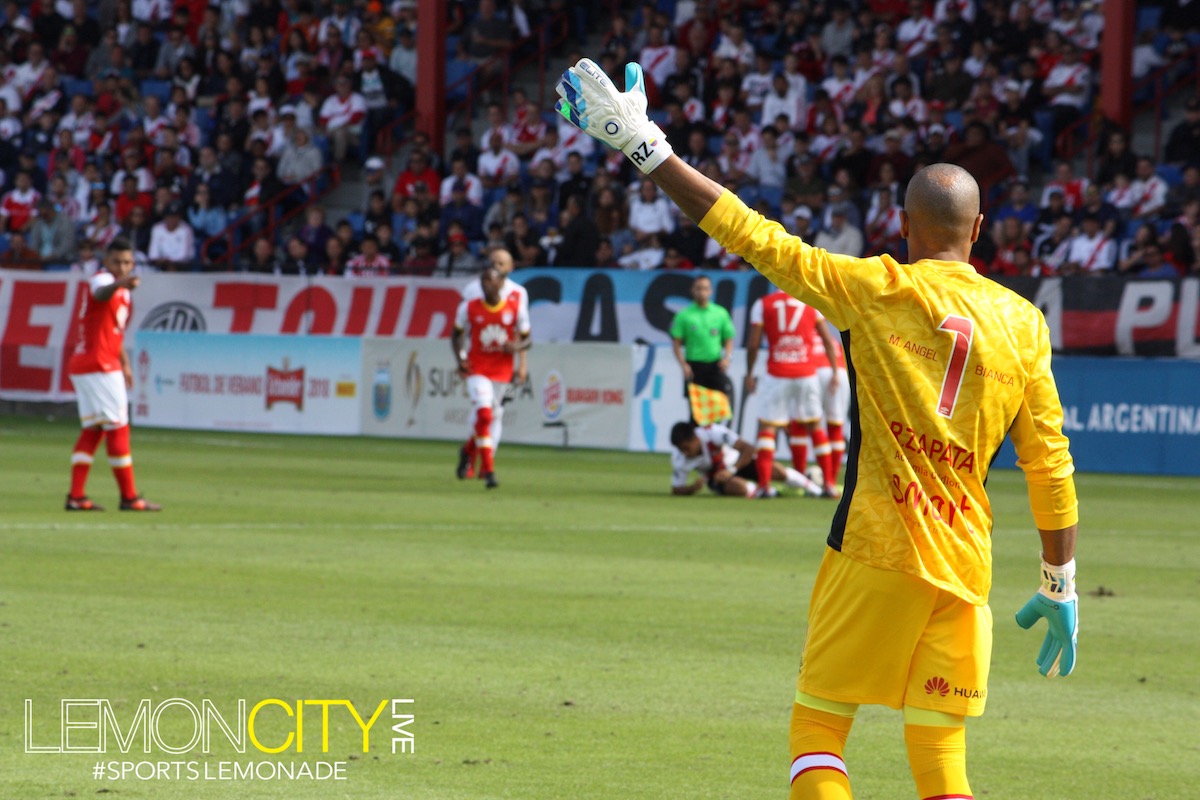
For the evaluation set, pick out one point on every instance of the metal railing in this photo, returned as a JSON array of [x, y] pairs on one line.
[[1163, 83], [274, 216]]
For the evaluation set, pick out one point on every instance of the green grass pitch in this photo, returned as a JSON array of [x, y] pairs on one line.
[[575, 634]]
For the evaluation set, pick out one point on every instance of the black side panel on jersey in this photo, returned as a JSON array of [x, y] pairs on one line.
[[838, 529]]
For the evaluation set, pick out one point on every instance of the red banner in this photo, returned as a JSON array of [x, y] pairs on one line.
[[38, 333]]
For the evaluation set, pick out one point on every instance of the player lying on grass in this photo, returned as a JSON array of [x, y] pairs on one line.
[[499, 328], [725, 462], [942, 364]]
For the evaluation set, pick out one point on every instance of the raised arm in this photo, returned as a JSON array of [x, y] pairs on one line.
[[829, 282], [691, 190]]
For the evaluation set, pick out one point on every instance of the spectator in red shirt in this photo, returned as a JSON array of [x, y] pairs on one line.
[[130, 198], [19, 206], [418, 170]]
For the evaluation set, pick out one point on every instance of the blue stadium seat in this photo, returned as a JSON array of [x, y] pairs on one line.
[[773, 195], [159, 89], [74, 86], [1045, 124], [206, 120], [1148, 18], [457, 71], [1170, 173], [356, 220]]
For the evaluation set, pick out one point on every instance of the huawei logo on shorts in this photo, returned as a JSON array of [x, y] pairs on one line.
[[937, 686]]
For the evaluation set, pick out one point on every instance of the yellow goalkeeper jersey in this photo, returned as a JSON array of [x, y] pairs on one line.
[[943, 363]]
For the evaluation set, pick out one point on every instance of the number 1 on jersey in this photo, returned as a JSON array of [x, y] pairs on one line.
[[963, 329]]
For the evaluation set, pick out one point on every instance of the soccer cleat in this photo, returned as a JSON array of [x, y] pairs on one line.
[[138, 504], [81, 504], [465, 468], [766, 493], [832, 492], [490, 480]]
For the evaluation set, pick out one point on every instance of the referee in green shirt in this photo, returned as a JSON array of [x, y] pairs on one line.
[[702, 335]]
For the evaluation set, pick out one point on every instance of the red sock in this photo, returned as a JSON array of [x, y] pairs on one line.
[[837, 445], [121, 461], [824, 454], [764, 458], [81, 459], [483, 439], [798, 442]]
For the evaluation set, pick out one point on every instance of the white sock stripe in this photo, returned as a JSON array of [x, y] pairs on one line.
[[120, 461], [838, 445], [796, 441], [81, 458], [807, 761], [766, 444], [483, 441], [823, 450]]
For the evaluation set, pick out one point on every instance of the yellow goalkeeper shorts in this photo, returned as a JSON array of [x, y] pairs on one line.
[[884, 637]]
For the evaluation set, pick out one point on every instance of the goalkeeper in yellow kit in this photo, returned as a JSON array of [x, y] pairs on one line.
[[942, 363]]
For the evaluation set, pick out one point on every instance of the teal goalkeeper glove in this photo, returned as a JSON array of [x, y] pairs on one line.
[[591, 102], [1056, 601]]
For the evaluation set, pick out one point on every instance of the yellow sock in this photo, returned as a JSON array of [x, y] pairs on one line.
[[938, 757], [817, 739]]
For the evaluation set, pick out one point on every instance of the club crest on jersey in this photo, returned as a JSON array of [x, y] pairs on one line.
[[507, 317], [493, 336]]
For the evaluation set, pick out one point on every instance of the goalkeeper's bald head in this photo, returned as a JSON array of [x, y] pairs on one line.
[[941, 213]]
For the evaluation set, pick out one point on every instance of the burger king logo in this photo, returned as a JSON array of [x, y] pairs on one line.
[[554, 394]]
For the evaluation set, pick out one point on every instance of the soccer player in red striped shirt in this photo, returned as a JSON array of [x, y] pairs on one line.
[[499, 329], [101, 373], [791, 392]]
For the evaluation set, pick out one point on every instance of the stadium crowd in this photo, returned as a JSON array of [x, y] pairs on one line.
[[168, 122]]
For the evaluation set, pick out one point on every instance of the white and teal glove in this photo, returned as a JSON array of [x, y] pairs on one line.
[[592, 103], [1056, 601]]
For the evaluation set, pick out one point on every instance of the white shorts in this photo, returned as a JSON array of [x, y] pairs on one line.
[[836, 404], [787, 399], [102, 399], [485, 393]]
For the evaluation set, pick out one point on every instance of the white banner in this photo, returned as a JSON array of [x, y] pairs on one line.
[[276, 384], [579, 394]]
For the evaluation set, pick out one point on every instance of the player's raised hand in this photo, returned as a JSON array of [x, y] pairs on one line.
[[1057, 603], [590, 101]]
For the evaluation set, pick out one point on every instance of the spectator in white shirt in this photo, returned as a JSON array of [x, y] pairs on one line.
[[1091, 252], [840, 236], [782, 99], [768, 164], [916, 32], [498, 167], [1067, 86], [734, 45], [1149, 191], [403, 60], [757, 83], [172, 244], [650, 213], [342, 115], [460, 173], [657, 57]]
